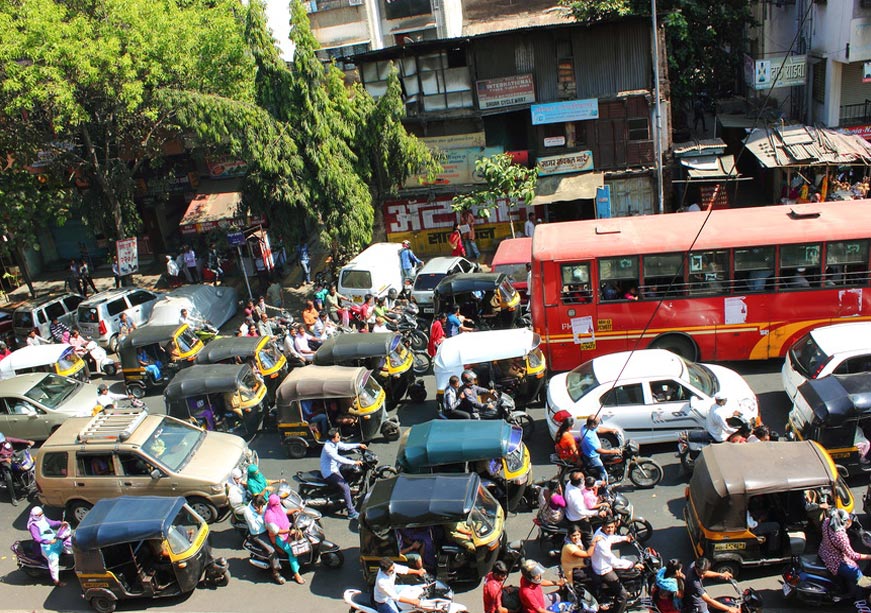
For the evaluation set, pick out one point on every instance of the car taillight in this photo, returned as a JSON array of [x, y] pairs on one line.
[[103, 328]]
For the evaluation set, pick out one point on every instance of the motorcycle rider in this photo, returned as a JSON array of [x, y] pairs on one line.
[[716, 423], [6, 452], [532, 597], [59, 331], [493, 583], [605, 562], [45, 532], [592, 450], [471, 395], [385, 594], [106, 398], [257, 534], [695, 597], [331, 459]]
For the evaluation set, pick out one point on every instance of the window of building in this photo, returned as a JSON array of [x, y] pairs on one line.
[[638, 128]]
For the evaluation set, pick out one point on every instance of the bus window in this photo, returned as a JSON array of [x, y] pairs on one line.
[[575, 283], [663, 276], [799, 266], [755, 268], [846, 263], [617, 276], [709, 272]]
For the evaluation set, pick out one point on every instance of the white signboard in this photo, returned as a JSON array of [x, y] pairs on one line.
[[780, 72], [582, 330], [128, 256], [735, 310], [578, 161]]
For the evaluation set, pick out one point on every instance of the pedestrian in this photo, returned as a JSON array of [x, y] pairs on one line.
[[699, 114], [214, 263], [331, 459], [529, 226], [467, 221], [86, 279], [190, 262], [436, 334], [73, 280], [302, 255], [116, 271], [408, 262], [172, 272], [455, 240], [179, 262]]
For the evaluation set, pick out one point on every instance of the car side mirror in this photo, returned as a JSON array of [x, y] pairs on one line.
[[155, 474]]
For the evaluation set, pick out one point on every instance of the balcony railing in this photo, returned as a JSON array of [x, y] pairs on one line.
[[855, 114]]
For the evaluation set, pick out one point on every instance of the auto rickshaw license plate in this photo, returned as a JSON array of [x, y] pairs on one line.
[[787, 588]]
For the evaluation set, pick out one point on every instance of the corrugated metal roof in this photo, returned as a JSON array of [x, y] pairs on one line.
[[711, 167], [806, 146], [698, 147]]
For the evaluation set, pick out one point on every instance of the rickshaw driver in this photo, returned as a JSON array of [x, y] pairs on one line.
[[152, 367], [451, 400]]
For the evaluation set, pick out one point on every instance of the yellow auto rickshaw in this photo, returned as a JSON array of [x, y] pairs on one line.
[[151, 355], [60, 359], [259, 351]]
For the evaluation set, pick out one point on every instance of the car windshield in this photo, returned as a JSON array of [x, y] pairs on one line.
[[53, 390], [356, 279], [269, 357], [580, 381], [173, 443], [807, 357], [482, 519], [427, 282], [184, 529], [702, 378]]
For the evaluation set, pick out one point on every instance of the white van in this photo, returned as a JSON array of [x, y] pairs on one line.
[[374, 271]]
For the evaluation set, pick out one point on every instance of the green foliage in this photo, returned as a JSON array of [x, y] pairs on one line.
[[593, 11], [85, 79], [504, 179], [26, 202]]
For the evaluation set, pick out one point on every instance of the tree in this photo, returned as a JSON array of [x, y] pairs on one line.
[[702, 38], [84, 81], [503, 179]]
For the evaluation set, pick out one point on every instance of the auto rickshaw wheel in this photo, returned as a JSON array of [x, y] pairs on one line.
[[204, 509], [137, 390], [76, 511], [102, 604], [728, 566], [390, 431], [110, 370], [421, 363], [295, 449], [333, 559]]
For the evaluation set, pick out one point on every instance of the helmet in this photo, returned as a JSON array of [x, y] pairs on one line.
[[392, 293], [102, 388], [469, 376], [532, 571]]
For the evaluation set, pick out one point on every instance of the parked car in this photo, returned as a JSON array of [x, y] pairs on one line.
[[32, 406], [39, 313], [136, 454], [434, 271], [7, 332], [652, 394], [841, 349], [215, 305], [100, 315]]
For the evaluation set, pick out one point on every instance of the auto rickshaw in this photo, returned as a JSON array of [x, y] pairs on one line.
[[143, 547], [460, 522], [348, 398], [221, 397], [487, 298], [834, 411], [383, 353], [772, 481], [510, 360], [260, 351], [165, 349], [58, 358], [493, 449]]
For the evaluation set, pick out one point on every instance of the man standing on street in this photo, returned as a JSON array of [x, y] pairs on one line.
[[408, 261], [331, 460], [467, 219], [190, 262], [529, 226], [304, 261]]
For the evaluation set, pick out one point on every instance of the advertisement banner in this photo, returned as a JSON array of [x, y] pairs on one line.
[[775, 71], [456, 141], [458, 167], [226, 168], [127, 251], [578, 161], [863, 131], [558, 112], [505, 91]]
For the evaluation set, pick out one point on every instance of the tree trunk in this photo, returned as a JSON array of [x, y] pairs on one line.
[[379, 230], [108, 191], [22, 266]]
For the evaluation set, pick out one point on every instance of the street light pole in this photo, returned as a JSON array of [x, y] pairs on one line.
[[657, 112]]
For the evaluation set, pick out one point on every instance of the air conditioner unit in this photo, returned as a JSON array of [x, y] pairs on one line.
[[355, 2]]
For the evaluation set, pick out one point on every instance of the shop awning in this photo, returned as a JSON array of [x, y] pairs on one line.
[[565, 188], [711, 167], [801, 145], [207, 211]]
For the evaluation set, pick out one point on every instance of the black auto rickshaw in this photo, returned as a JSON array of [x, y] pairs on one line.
[[383, 353], [459, 521], [313, 399], [221, 397], [770, 481], [493, 449], [835, 411], [143, 547], [487, 298], [260, 351], [151, 355]]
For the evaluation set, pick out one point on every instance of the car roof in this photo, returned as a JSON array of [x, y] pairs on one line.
[[107, 295], [643, 363], [38, 302], [67, 435], [439, 264], [19, 384], [842, 338], [126, 519]]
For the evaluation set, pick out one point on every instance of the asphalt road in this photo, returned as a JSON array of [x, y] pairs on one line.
[[250, 587]]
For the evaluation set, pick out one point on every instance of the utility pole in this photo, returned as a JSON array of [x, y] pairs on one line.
[[657, 112]]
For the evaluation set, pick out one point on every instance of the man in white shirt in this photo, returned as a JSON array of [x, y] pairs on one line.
[[604, 562], [385, 593], [300, 343], [716, 423], [106, 398], [529, 226], [576, 508]]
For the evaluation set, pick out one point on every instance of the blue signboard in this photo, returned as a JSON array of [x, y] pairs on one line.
[[236, 239], [557, 112], [603, 202]]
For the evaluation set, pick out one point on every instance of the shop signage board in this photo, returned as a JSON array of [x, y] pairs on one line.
[[775, 71], [578, 161], [571, 110], [505, 91], [235, 239], [127, 251], [555, 141], [456, 141]]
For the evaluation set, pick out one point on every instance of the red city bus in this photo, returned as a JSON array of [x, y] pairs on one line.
[[755, 280]]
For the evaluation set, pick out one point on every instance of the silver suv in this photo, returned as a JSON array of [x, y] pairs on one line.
[[99, 315], [39, 313]]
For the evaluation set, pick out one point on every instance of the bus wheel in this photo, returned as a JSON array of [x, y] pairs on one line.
[[682, 345]]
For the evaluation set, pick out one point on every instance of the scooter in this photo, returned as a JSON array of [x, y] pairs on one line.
[[19, 478], [290, 500], [433, 596], [318, 494], [28, 556], [99, 359]]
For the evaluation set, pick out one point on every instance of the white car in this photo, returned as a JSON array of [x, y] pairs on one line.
[[434, 271], [652, 394], [841, 349]]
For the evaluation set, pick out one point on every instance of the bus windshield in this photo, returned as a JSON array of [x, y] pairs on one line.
[[580, 381]]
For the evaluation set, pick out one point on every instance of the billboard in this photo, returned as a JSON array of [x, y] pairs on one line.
[[505, 91]]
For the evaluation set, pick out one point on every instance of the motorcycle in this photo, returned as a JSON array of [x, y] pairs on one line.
[[505, 408], [636, 582], [746, 601], [318, 494], [406, 324], [433, 596], [290, 500], [99, 360], [643, 472], [19, 477], [691, 442], [28, 556]]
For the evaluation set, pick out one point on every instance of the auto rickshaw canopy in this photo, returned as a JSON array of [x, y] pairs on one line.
[[440, 442], [32, 356], [478, 347], [834, 399], [348, 347], [225, 348], [313, 382], [465, 282], [204, 379], [727, 475], [126, 519], [419, 500]]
